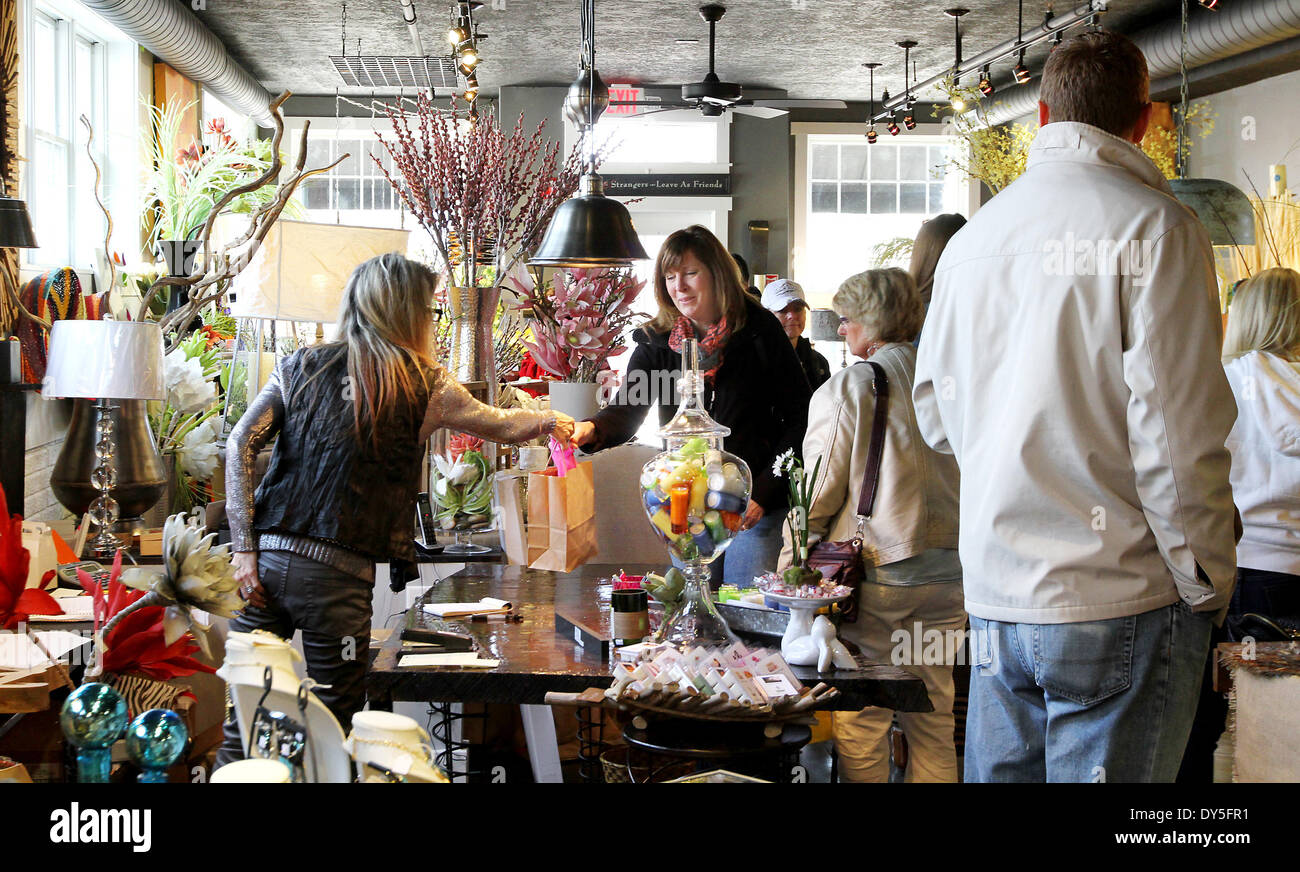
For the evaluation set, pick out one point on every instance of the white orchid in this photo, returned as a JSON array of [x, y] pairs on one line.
[[783, 462], [459, 472], [187, 390], [195, 575], [198, 451]]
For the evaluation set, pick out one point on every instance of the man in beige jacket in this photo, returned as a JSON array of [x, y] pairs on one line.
[[1071, 365]]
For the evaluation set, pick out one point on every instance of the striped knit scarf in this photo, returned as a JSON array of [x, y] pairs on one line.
[[711, 346]]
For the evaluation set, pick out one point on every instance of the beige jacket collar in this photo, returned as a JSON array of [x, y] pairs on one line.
[[1083, 143]]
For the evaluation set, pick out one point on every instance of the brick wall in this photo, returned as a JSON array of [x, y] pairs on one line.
[[47, 423]]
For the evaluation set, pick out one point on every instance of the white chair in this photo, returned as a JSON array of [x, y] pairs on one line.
[[247, 657]]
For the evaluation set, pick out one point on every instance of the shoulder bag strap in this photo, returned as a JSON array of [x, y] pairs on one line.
[[867, 497]]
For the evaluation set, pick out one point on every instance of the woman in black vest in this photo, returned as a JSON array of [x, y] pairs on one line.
[[753, 383], [352, 418]]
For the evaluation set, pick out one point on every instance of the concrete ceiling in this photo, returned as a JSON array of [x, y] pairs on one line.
[[808, 48]]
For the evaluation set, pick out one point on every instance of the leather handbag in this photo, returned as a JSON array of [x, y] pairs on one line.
[[841, 562]]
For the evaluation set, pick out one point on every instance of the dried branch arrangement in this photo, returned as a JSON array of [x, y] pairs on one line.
[[471, 185], [214, 270]]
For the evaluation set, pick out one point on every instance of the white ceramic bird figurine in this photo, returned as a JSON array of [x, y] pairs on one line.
[[830, 649]]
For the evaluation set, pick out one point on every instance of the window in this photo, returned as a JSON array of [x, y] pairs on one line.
[[72, 58], [356, 192], [853, 196], [860, 179]]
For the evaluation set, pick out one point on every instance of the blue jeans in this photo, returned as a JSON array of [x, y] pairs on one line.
[[1092, 701], [752, 553]]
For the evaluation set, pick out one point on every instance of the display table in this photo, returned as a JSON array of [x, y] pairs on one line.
[[535, 659]]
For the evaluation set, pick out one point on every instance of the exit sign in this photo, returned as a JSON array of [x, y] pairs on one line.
[[625, 93]]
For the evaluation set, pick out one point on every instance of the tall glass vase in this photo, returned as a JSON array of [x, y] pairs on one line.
[[695, 495]]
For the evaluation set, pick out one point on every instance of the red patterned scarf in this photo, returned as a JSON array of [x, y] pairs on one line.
[[711, 346]]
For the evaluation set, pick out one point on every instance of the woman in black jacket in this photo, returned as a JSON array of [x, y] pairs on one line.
[[753, 384]]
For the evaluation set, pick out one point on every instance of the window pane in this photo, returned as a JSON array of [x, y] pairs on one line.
[[884, 162], [853, 162], [823, 162], [884, 197], [936, 199], [853, 197], [84, 81], [911, 197], [825, 197], [316, 194], [352, 165], [938, 162], [318, 152], [348, 192], [47, 197], [911, 162], [46, 108]]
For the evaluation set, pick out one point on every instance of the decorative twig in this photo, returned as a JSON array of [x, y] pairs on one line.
[[108, 219]]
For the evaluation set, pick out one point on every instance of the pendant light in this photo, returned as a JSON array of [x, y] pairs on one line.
[[871, 104], [958, 104], [1020, 71], [1222, 207], [590, 229], [909, 120]]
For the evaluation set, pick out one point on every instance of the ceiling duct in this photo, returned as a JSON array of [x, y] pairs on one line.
[[175, 35], [1239, 26]]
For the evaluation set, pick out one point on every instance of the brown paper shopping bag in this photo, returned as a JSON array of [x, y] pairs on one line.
[[561, 519]]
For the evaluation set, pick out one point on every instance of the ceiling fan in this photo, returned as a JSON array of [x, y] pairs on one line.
[[712, 96]]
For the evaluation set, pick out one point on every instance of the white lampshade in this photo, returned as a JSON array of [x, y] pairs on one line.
[[299, 271], [113, 360]]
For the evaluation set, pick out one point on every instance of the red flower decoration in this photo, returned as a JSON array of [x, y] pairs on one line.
[[136, 644], [17, 601], [460, 443]]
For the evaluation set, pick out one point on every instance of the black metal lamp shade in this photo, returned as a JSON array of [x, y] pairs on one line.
[[590, 230], [15, 225], [1225, 211]]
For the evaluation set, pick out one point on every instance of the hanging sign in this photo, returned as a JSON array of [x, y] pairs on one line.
[[667, 184]]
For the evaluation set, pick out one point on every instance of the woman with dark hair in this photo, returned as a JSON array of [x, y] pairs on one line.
[[753, 383], [352, 418]]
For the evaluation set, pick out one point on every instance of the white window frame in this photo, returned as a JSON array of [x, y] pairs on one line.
[[928, 133], [114, 121], [722, 144]]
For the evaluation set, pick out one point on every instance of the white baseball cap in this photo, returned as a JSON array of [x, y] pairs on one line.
[[781, 293]]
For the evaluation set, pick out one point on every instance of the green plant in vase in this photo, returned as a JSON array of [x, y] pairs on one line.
[[800, 487], [184, 424]]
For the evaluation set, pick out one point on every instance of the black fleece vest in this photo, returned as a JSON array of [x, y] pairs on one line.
[[324, 482]]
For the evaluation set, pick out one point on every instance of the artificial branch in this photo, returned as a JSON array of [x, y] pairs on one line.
[[108, 219], [208, 283]]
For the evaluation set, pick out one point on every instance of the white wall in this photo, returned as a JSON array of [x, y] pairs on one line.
[[1257, 125]]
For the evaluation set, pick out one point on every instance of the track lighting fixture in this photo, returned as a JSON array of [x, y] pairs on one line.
[[871, 104], [985, 85], [908, 100], [909, 121], [1212, 5], [892, 126], [958, 102], [1020, 71]]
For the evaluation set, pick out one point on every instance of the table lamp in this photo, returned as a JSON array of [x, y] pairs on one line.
[[825, 327], [106, 361]]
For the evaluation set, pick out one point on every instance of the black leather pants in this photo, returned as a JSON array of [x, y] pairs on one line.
[[333, 611]]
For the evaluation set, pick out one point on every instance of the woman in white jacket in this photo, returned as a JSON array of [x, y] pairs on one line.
[[913, 593], [1261, 354]]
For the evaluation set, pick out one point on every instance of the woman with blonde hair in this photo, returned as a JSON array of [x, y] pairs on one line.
[[351, 419], [909, 544], [1261, 356], [754, 383]]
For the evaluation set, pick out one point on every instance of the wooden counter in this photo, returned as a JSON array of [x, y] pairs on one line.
[[535, 659]]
